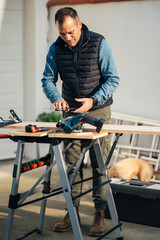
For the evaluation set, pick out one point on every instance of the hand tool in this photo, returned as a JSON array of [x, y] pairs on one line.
[[14, 119], [76, 122], [67, 109], [4, 136], [34, 128]]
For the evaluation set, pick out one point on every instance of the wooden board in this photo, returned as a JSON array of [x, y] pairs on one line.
[[128, 129], [149, 130], [21, 125], [80, 135], [27, 134], [54, 134]]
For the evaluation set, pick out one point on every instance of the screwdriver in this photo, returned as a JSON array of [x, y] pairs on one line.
[[67, 109]]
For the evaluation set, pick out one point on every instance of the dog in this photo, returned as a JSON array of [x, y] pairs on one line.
[[130, 167]]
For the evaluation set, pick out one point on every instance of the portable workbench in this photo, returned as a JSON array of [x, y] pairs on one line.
[[55, 156]]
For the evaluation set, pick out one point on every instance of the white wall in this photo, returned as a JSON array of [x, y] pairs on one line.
[[11, 67], [35, 49], [132, 29]]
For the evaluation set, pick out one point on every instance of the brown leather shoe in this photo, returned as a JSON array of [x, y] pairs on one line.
[[65, 224], [98, 226]]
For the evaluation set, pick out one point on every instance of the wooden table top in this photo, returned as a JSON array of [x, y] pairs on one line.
[[109, 128], [53, 134]]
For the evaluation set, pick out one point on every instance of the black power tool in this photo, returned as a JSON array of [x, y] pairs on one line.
[[34, 128], [75, 123]]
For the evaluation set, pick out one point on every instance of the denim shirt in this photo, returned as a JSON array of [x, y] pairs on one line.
[[107, 67]]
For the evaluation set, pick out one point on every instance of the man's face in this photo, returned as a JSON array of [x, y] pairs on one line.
[[70, 30]]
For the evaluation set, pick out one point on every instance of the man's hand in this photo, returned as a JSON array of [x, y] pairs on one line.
[[87, 103], [60, 104]]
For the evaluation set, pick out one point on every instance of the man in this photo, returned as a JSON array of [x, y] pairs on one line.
[[88, 72]]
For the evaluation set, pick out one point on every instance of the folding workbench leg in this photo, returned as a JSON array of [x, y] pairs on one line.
[[45, 190], [67, 192], [109, 195], [14, 191]]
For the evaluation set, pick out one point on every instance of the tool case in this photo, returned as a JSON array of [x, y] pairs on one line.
[[137, 202]]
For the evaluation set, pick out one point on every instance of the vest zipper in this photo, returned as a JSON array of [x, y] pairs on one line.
[[77, 77]]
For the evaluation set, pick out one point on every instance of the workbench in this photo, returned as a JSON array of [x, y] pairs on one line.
[[90, 138]]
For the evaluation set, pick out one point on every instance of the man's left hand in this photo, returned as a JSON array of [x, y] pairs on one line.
[[87, 103]]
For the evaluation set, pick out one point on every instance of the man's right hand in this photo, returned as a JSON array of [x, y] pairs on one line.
[[60, 104]]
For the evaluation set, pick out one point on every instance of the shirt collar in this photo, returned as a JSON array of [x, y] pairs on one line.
[[79, 43]]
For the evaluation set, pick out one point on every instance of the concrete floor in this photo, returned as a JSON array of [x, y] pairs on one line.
[[26, 218]]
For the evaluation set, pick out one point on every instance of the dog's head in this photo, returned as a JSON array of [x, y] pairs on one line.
[[113, 173]]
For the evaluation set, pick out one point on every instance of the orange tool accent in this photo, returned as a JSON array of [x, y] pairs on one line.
[[33, 166], [40, 164], [34, 128]]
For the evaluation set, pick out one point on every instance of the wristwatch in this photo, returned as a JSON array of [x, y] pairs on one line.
[[95, 102]]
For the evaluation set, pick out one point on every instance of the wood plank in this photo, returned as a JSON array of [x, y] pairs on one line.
[[60, 134], [21, 125], [129, 129], [27, 134], [126, 129], [80, 135]]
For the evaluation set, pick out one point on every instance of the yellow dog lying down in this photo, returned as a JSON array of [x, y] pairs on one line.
[[128, 168]]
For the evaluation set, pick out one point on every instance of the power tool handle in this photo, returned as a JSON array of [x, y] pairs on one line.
[[34, 128], [4, 136], [93, 121]]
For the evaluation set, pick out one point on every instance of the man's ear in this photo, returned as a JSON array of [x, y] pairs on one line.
[[80, 24]]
